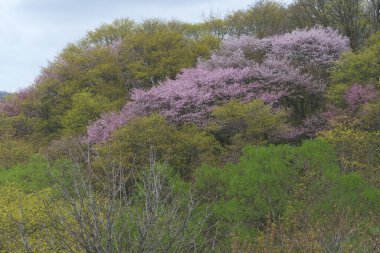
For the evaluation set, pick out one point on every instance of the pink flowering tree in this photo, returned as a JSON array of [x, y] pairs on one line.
[[12, 106], [280, 70], [9, 107], [359, 94], [314, 50]]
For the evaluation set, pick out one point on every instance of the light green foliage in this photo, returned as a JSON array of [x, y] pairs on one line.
[[132, 143], [26, 223], [29, 177], [264, 18], [150, 57], [17, 207], [268, 180], [359, 67], [155, 53], [93, 69], [183, 148], [85, 109], [79, 78], [13, 151], [215, 26], [369, 116], [236, 124], [107, 34], [351, 17], [334, 94], [297, 17], [67, 148], [357, 150]]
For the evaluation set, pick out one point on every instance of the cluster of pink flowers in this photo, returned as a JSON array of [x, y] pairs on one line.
[[359, 94], [316, 48], [309, 127], [244, 68], [9, 107], [12, 105]]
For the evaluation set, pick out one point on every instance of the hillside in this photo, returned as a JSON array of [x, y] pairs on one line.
[[237, 134]]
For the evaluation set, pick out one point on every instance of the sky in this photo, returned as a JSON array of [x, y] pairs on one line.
[[32, 32]]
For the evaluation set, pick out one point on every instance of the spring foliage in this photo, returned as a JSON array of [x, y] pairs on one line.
[[200, 146], [277, 181], [281, 67]]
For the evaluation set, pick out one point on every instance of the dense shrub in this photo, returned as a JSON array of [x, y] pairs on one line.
[[183, 148], [25, 223], [270, 181], [357, 150], [361, 66], [235, 124], [29, 177], [13, 151]]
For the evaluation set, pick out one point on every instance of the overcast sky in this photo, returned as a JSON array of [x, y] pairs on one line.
[[34, 31]]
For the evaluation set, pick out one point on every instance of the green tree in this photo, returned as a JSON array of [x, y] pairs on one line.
[[183, 148], [155, 54], [13, 151], [237, 124], [85, 109], [362, 66], [349, 16], [262, 19], [109, 34]]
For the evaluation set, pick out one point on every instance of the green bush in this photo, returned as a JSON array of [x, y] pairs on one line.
[[32, 176], [237, 124], [13, 151], [359, 67], [269, 181], [183, 148]]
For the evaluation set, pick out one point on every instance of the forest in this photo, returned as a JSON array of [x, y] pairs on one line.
[[256, 131]]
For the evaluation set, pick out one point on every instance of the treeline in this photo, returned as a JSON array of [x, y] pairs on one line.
[[255, 132], [3, 94], [100, 71], [354, 19]]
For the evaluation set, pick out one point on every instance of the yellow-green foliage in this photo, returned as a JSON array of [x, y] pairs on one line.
[[29, 222], [369, 117], [13, 151], [156, 52], [236, 124], [263, 18], [184, 148], [357, 149], [334, 94], [85, 109], [361, 66], [24, 220]]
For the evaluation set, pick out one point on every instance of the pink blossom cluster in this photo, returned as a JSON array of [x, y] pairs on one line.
[[308, 128], [12, 106], [314, 48], [9, 107], [244, 68], [359, 94], [101, 129], [308, 48]]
